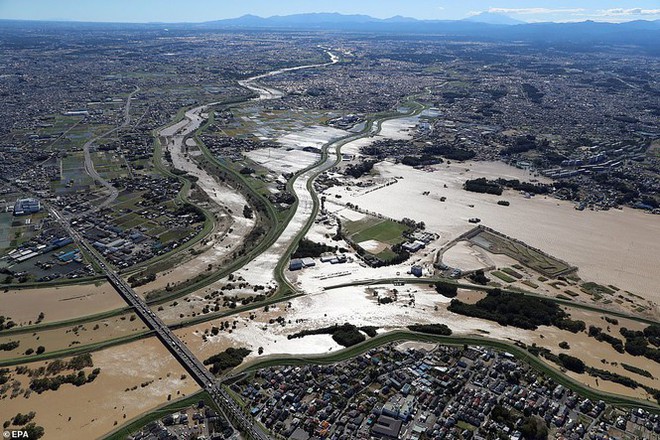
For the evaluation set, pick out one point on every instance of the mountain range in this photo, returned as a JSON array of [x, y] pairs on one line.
[[484, 26]]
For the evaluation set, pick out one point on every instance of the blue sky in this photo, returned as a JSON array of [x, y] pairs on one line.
[[205, 10]]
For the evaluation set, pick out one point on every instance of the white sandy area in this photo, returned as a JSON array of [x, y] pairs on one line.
[[399, 128], [347, 214], [281, 160], [466, 257], [260, 271], [618, 247], [222, 243], [323, 275], [352, 304], [373, 246], [59, 303], [314, 136], [94, 407], [353, 147], [322, 233]]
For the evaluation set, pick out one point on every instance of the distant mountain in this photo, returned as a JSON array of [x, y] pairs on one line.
[[493, 18], [313, 19], [400, 19], [490, 27]]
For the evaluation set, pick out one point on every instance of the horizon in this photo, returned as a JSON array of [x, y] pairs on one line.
[[153, 11]]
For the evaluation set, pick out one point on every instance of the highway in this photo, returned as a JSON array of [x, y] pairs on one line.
[[180, 351]]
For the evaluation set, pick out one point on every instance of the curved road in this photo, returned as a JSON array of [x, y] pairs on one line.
[[89, 163]]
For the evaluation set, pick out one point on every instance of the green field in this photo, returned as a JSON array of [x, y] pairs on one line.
[[532, 258], [371, 228], [504, 277], [385, 231], [512, 272]]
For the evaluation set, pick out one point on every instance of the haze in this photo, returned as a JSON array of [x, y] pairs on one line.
[[203, 10]]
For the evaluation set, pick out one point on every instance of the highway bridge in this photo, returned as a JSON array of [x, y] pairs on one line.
[[180, 351]]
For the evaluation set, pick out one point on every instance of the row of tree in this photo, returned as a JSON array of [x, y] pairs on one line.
[[518, 310]]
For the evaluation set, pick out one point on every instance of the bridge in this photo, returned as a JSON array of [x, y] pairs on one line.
[[179, 350]]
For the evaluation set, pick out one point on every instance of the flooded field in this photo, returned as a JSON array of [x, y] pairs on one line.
[[59, 303], [356, 305], [282, 160], [72, 336], [592, 352], [268, 329], [127, 386], [618, 247], [231, 226]]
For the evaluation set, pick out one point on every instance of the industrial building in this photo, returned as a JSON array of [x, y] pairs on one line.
[[27, 206]]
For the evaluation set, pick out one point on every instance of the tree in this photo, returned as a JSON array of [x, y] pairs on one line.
[[572, 363], [446, 289], [247, 212], [533, 428], [479, 277]]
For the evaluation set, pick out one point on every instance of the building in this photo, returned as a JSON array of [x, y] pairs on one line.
[[414, 246], [386, 427], [27, 206], [296, 264], [416, 270]]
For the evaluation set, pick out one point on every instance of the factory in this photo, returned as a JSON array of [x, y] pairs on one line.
[[26, 206]]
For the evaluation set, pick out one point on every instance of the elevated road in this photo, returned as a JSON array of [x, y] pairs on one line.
[[179, 350]]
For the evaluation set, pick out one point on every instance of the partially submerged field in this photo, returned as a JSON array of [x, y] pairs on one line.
[[72, 336], [583, 239], [267, 330], [532, 258], [134, 378], [375, 235], [59, 303]]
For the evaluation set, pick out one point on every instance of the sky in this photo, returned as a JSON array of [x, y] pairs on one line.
[[171, 11]]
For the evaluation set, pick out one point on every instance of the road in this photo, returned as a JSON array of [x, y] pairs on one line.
[[180, 351], [89, 163]]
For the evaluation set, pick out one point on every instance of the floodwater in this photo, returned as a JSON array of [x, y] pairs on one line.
[[222, 243], [90, 411], [618, 247], [59, 303], [358, 306]]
